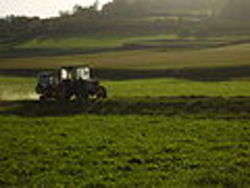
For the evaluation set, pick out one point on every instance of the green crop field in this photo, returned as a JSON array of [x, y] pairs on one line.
[[175, 116]]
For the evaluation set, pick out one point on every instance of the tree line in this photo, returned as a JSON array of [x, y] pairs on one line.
[[118, 16]]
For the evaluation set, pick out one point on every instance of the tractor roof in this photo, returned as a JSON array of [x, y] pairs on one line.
[[44, 73], [75, 67]]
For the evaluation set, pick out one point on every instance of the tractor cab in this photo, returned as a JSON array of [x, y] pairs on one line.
[[75, 73]]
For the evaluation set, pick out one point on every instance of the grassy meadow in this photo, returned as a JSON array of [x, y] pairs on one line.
[[177, 114]]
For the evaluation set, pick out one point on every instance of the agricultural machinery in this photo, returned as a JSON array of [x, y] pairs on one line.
[[69, 83]]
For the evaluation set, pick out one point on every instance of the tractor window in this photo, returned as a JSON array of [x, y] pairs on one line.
[[83, 73], [51, 80], [64, 74], [43, 79]]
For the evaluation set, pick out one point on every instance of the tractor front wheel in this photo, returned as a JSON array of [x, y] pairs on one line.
[[42, 99], [101, 92]]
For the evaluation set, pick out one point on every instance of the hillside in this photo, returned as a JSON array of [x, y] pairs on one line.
[[237, 9]]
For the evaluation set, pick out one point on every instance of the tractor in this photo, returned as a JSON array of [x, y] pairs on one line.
[[69, 83]]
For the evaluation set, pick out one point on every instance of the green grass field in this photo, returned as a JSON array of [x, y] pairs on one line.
[[174, 117]]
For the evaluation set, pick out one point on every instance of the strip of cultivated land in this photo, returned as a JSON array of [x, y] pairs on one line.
[[174, 116]]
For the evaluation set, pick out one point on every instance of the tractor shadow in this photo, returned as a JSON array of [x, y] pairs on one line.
[[202, 107]]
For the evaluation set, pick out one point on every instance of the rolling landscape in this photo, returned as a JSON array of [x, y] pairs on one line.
[[178, 107]]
